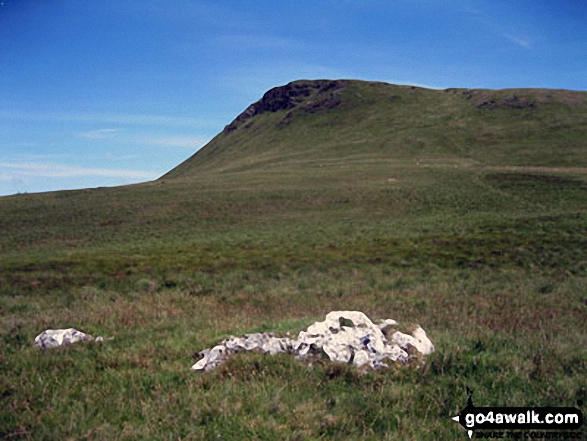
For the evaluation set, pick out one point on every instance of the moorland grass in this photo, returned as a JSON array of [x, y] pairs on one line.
[[489, 260]]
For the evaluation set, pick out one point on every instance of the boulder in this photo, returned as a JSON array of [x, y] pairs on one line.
[[344, 336], [54, 338]]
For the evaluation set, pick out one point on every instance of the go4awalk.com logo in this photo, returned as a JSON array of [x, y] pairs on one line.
[[521, 422]]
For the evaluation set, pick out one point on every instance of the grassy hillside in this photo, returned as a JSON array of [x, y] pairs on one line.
[[317, 123], [463, 211]]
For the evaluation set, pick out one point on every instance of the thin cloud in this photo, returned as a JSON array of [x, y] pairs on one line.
[[177, 141], [496, 27], [190, 12], [34, 156], [412, 83], [11, 170], [524, 42], [259, 42], [98, 134], [109, 118], [159, 141]]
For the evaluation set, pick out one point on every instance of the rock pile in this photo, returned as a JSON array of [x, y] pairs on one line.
[[344, 336], [54, 338]]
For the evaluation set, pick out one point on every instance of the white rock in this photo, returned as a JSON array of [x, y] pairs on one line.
[[363, 343], [344, 336], [53, 338], [418, 339], [201, 365], [387, 322], [263, 342], [361, 357]]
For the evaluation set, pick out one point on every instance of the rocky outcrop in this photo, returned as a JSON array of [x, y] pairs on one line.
[[344, 336], [311, 95], [511, 102]]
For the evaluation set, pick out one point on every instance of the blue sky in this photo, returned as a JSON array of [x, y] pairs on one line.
[[110, 92]]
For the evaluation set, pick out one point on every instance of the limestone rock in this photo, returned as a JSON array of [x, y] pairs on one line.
[[418, 339], [344, 336], [54, 338]]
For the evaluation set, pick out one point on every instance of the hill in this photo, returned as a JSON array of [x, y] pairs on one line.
[[309, 123], [463, 211]]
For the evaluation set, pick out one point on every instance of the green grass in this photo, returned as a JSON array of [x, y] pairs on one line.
[[376, 122], [489, 258]]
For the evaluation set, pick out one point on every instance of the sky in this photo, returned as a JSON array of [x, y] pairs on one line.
[[111, 92]]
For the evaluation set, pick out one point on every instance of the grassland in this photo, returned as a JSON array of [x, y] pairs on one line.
[[480, 238]]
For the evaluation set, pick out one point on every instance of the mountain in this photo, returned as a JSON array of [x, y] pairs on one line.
[[308, 122]]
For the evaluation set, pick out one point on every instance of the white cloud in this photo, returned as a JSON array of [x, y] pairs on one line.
[[524, 42], [176, 141], [111, 118], [98, 134], [160, 141], [259, 42], [15, 170], [411, 83], [33, 156]]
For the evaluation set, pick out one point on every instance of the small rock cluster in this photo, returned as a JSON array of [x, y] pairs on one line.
[[54, 338], [344, 336]]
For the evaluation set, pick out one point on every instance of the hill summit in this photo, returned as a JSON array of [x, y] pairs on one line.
[[309, 96], [311, 122]]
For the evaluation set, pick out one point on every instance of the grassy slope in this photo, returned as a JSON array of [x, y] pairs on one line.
[[380, 122], [401, 207]]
